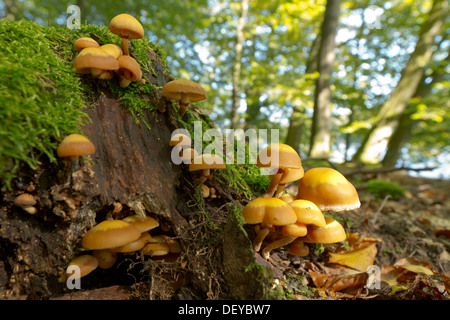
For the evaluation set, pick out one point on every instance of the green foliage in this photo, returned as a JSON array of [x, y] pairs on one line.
[[42, 99], [40, 96], [382, 188]]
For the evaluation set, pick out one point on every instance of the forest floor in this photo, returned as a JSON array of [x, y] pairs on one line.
[[405, 242], [397, 249]]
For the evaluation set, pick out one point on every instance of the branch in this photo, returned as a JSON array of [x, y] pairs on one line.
[[389, 169]]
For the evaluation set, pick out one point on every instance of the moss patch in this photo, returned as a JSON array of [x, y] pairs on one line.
[[42, 99]]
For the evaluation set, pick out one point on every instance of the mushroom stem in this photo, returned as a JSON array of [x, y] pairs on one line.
[[280, 190], [125, 46], [206, 174], [260, 236], [276, 244], [273, 185]]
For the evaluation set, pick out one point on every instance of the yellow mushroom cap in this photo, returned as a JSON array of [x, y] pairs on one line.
[[297, 229], [180, 139], [288, 198], [307, 212], [207, 161], [113, 49], [94, 58], [136, 244], [129, 68], [291, 175], [126, 26], [332, 232], [110, 234], [75, 145], [87, 263], [298, 248], [186, 155], [142, 225], [279, 155], [271, 211], [85, 42], [328, 189], [25, 200], [176, 88], [106, 258], [156, 249]]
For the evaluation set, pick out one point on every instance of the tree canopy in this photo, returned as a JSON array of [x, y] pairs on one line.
[[258, 62]]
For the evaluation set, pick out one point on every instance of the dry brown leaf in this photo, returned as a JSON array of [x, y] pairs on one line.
[[414, 265], [359, 259], [442, 232], [339, 283]]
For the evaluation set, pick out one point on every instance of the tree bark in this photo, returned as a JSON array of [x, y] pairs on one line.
[[375, 143], [406, 124], [320, 141], [237, 64]]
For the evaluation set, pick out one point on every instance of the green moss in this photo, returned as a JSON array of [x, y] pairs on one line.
[[382, 188], [42, 99]]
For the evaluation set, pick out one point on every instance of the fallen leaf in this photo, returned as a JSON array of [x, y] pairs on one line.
[[359, 259], [414, 266], [339, 283]]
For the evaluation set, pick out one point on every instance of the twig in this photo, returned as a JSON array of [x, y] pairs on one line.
[[375, 218], [389, 169]]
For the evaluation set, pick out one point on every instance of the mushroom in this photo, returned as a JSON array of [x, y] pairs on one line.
[[328, 189], [85, 42], [110, 234], [106, 258], [180, 139], [287, 197], [206, 162], [26, 201], [143, 225], [157, 246], [75, 145], [136, 244], [290, 175], [307, 213], [332, 232], [298, 248], [126, 27], [184, 91], [86, 264], [112, 49], [96, 61], [129, 70], [284, 158], [267, 212]]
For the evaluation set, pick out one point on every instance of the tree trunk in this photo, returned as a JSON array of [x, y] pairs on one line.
[[236, 78], [375, 143], [297, 120], [320, 141]]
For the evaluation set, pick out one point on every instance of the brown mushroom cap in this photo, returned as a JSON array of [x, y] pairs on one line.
[[308, 213], [110, 234], [332, 232], [328, 189], [126, 26], [156, 249], [207, 161], [75, 145], [177, 88], [129, 68], [136, 244], [279, 155], [94, 58], [271, 211], [86, 263], [298, 248], [297, 229], [85, 42], [25, 200]]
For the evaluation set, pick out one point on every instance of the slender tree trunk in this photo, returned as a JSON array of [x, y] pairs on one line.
[[320, 136], [403, 132], [234, 116], [297, 120], [375, 143]]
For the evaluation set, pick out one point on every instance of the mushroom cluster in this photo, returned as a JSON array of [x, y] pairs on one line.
[[295, 220], [109, 60], [130, 235]]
